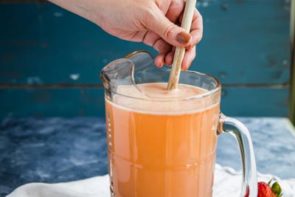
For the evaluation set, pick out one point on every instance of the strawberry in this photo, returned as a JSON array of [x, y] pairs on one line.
[[264, 190], [270, 189]]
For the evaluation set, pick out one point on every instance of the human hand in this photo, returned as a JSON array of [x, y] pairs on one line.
[[153, 22]]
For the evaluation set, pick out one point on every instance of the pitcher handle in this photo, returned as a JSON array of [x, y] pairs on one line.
[[242, 135]]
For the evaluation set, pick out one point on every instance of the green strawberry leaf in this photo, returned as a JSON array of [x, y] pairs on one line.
[[276, 189]]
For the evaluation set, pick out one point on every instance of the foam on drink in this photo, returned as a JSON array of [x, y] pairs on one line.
[[155, 98]]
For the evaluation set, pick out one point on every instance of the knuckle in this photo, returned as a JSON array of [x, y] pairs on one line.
[[199, 38], [156, 45], [168, 31]]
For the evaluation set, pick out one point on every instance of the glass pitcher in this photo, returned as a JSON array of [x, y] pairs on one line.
[[162, 143]]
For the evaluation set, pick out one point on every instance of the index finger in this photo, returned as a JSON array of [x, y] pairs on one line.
[[197, 28]]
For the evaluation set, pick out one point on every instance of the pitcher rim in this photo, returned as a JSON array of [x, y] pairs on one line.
[[198, 96]]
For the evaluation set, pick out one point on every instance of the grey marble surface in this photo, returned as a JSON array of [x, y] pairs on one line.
[[57, 150]]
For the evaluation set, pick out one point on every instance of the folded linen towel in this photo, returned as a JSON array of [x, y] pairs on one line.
[[227, 183]]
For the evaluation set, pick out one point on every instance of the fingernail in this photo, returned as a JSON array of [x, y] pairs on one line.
[[183, 37]]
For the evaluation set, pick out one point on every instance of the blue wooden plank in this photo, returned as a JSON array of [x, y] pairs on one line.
[[89, 102], [51, 102], [44, 44], [244, 42], [255, 101]]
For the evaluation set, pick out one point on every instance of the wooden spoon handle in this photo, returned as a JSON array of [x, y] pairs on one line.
[[179, 52]]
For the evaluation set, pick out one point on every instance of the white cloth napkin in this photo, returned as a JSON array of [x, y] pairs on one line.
[[227, 184]]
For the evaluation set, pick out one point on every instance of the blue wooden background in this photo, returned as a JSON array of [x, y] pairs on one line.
[[50, 58]]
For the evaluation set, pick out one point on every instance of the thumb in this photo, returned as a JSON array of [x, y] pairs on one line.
[[167, 30]]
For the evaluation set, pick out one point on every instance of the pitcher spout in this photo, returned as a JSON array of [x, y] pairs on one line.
[[124, 70]]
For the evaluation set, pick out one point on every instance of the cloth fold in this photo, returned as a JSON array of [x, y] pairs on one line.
[[227, 183]]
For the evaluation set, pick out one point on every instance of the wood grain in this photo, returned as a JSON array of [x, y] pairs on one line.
[[47, 42], [246, 45]]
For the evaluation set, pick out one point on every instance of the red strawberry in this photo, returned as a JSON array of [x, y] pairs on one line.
[[264, 190]]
